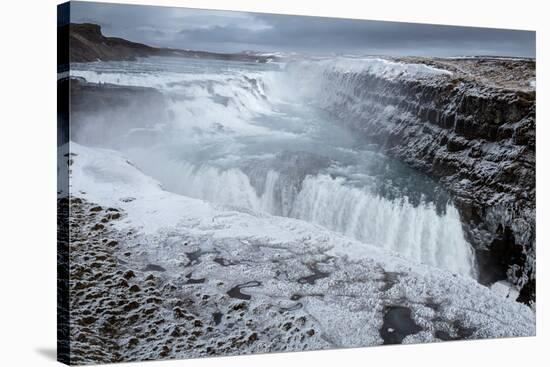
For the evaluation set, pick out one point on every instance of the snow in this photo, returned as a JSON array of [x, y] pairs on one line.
[[107, 177], [361, 280], [505, 289], [382, 68]]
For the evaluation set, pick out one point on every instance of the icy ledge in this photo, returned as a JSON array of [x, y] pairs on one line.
[[352, 293], [378, 67]]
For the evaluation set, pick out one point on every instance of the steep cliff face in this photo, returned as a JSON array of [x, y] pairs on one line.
[[87, 43], [475, 131]]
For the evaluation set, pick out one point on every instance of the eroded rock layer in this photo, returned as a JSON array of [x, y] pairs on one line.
[[474, 130]]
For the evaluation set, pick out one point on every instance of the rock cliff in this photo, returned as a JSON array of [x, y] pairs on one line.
[[473, 130]]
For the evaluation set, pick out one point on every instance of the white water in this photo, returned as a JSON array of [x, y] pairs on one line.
[[418, 233], [254, 137]]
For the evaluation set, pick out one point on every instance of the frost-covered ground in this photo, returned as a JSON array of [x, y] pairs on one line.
[[180, 277]]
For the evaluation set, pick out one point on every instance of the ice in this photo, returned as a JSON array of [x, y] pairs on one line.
[[383, 68]]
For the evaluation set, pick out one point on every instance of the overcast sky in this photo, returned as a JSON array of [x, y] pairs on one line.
[[226, 31]]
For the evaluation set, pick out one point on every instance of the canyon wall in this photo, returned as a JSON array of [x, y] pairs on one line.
[[474, 131]]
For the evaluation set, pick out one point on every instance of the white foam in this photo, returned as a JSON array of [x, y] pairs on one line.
[[418, 233]]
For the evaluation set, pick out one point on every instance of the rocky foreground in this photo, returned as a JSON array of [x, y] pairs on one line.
[[155, 275], [124, 309]]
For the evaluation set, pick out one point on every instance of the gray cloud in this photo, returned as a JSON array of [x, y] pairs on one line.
[[227, 31]]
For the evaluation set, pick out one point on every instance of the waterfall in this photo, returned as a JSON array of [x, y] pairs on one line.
[[259, 137], [418, 233]]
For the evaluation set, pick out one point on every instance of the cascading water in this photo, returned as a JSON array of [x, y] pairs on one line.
[[259, 137], [418, 233]]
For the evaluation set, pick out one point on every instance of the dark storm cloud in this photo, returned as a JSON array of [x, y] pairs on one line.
[[227, 31]]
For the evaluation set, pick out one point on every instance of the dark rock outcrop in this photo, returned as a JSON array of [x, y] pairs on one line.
[[87, 43], [475, 133]]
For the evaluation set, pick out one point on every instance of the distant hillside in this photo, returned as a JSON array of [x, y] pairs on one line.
[[87, 43]]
